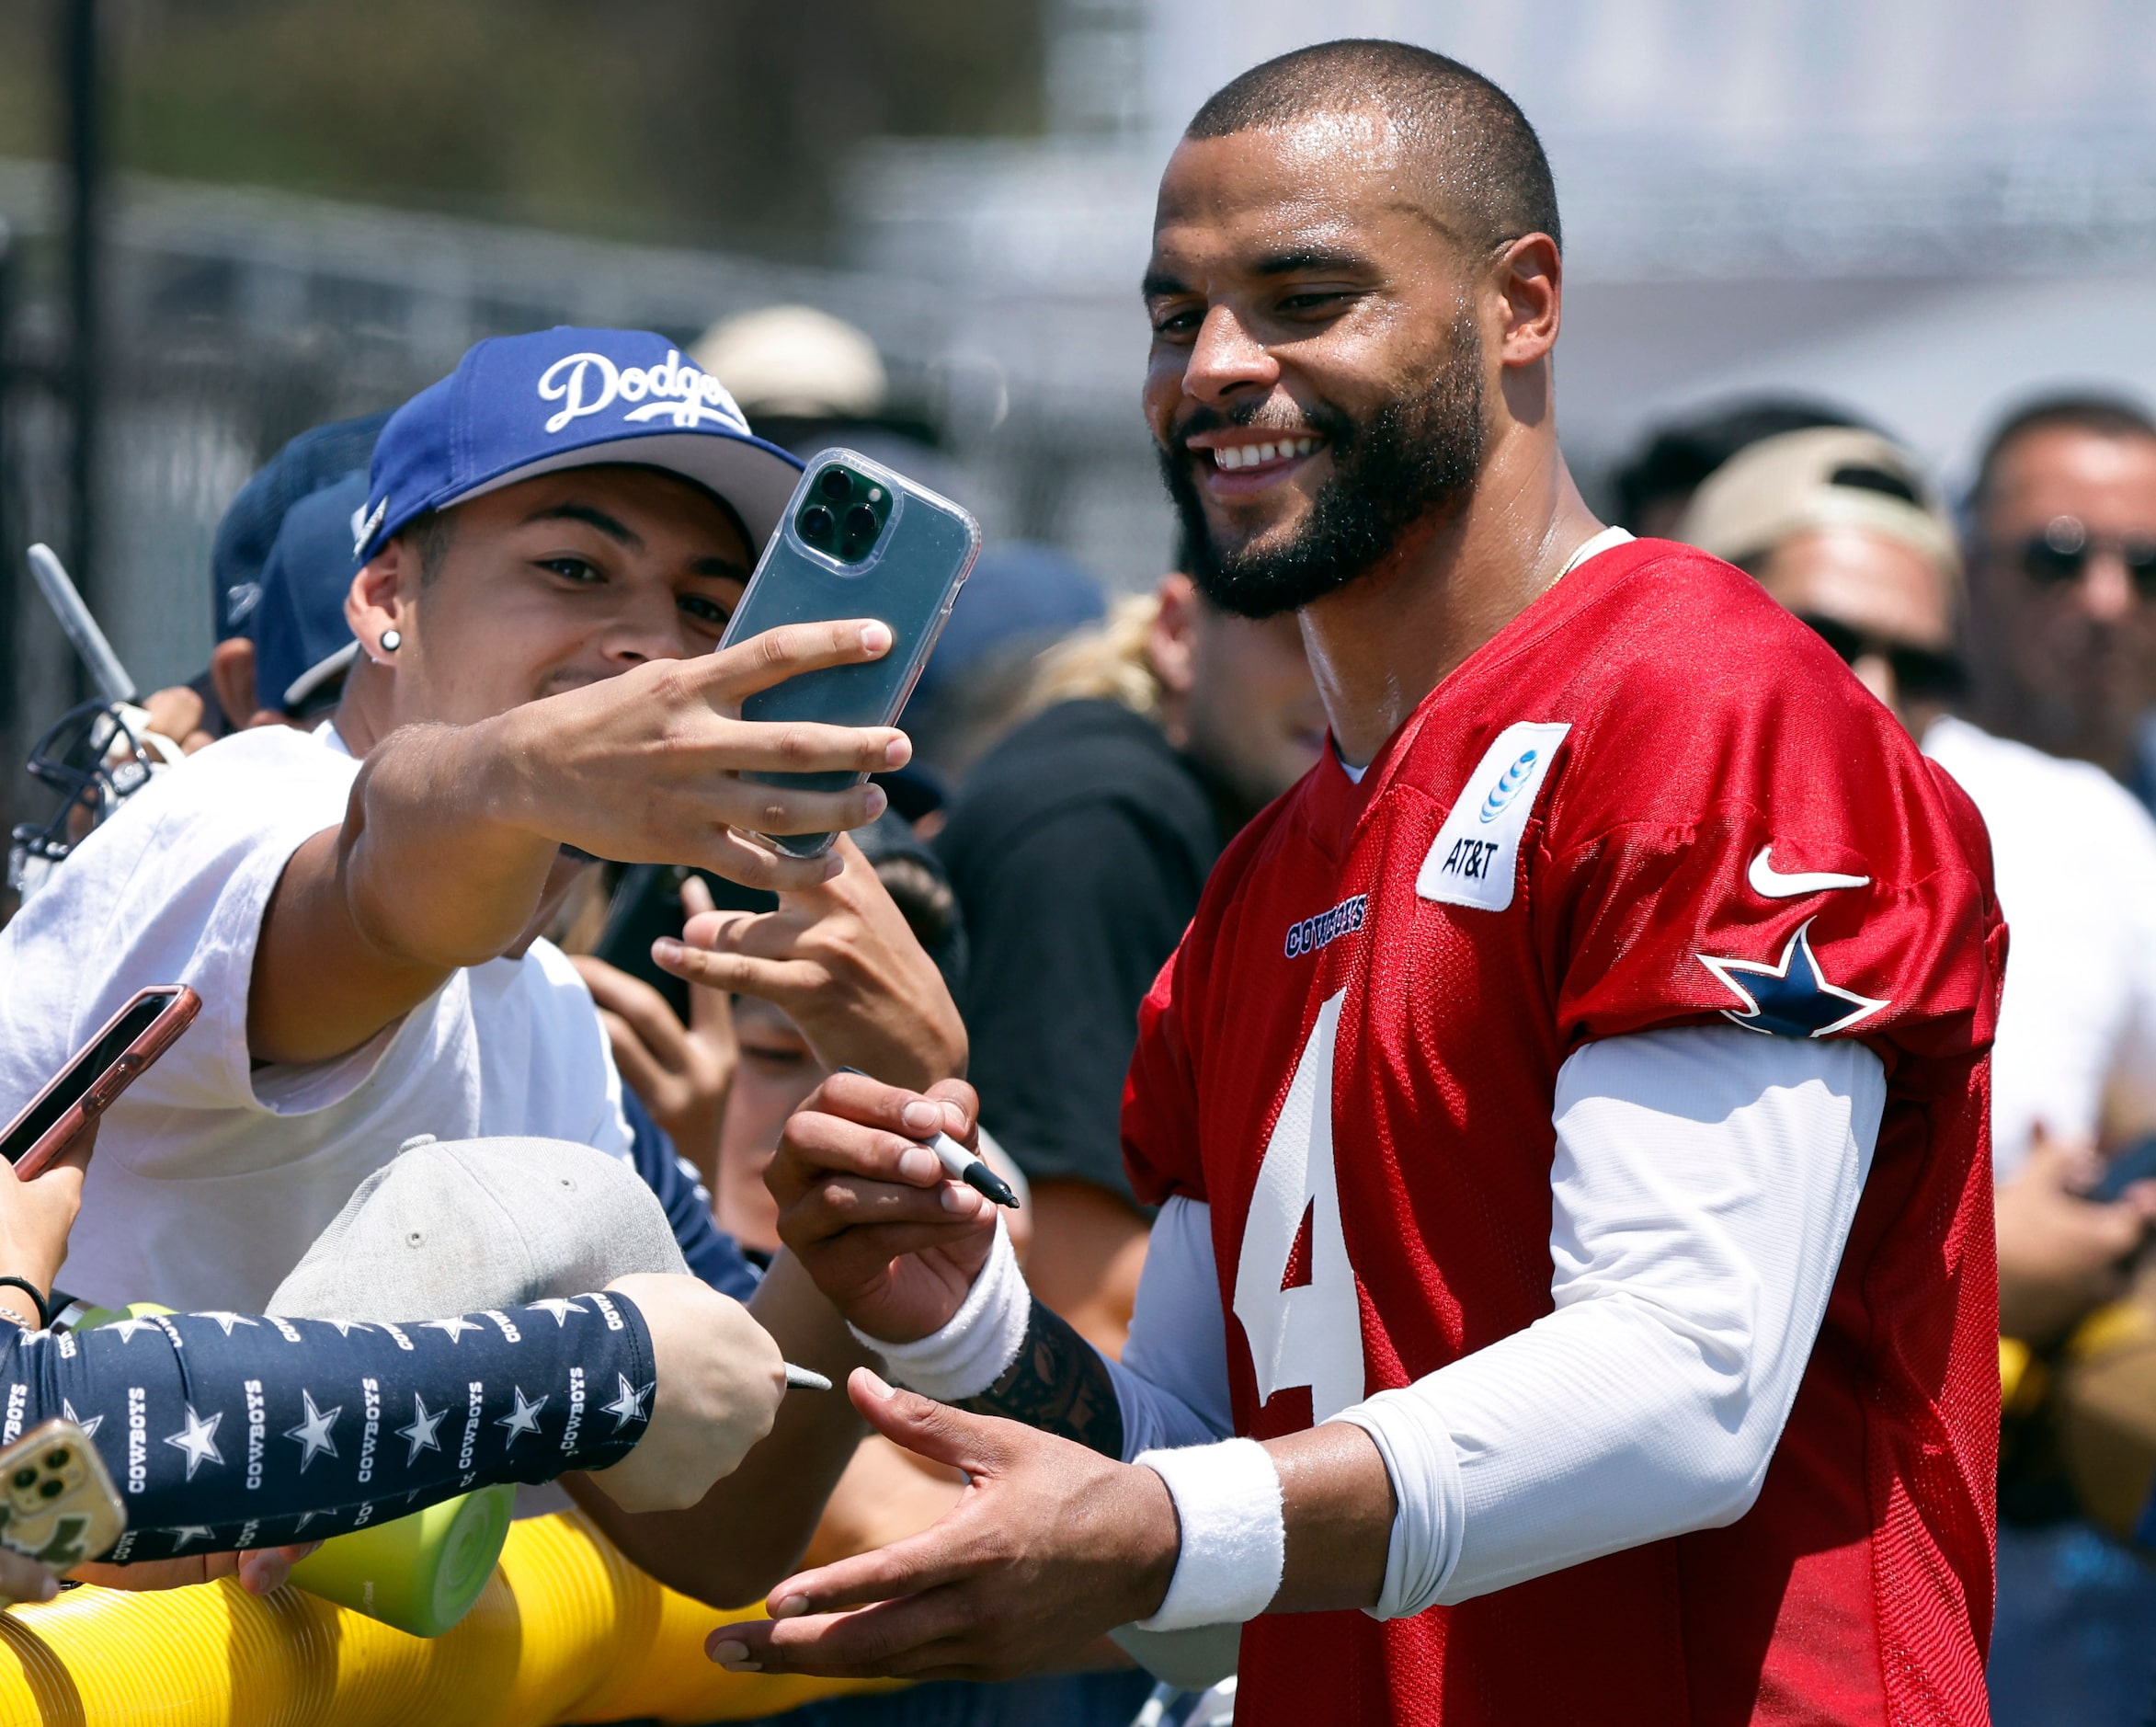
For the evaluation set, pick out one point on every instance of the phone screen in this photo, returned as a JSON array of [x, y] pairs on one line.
[[82, 1074]]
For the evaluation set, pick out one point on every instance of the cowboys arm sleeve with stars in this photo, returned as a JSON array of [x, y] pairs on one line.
[[226, 1430]]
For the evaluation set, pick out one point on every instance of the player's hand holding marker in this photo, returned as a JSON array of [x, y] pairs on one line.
[[867, 1206]]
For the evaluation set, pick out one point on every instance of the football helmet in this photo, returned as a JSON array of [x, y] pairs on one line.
[[95, 757]]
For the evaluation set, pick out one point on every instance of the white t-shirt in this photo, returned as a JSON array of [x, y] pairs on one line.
[[2074, 857], [213, 1176]]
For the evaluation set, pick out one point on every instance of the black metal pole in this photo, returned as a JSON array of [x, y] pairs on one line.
[[86, 161], [10, 545]]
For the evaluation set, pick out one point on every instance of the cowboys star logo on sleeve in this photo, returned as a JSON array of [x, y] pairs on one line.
[[1789, 998]]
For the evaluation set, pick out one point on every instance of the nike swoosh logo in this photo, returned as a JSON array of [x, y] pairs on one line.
[[1769, 883]]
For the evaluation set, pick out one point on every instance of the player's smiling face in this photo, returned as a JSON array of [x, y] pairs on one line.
[[1309, 317]]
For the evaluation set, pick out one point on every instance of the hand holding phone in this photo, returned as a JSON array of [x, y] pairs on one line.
[[57, 1501], [104, 1067], [858, 541]]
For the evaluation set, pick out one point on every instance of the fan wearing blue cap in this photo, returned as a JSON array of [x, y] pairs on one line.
[[549, 546]]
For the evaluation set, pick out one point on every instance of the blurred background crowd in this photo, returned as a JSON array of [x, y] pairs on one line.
[[1859, 296]]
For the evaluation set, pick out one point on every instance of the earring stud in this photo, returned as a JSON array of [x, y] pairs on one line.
[[390, 641]]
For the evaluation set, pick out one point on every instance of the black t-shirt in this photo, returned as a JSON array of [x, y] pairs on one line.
[[1078, 851]]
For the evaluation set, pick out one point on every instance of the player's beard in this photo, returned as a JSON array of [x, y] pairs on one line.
[[1412, 463]]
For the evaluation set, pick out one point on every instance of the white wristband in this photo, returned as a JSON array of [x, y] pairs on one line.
[[977, 1343], [1233, 1537]]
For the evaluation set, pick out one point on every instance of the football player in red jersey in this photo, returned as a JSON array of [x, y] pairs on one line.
[[1573, 1291]]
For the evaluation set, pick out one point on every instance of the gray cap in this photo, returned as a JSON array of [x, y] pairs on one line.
[[463, 1225]]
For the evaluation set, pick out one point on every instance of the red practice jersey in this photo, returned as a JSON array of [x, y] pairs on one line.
[[1604, 822]]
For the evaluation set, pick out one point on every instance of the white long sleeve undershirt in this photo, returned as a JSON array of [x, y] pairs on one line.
[[1702, 1191]]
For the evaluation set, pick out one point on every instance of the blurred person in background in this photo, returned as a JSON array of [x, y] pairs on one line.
[[1022, 598], [1843, 528], [1078, 849], [2063, 579], [1651, 491], [238, 689]]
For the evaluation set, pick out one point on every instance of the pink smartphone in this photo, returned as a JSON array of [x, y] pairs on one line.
[[104, 1067]]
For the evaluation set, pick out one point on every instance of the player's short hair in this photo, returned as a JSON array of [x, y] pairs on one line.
[[2100, 414], [1489, 166]]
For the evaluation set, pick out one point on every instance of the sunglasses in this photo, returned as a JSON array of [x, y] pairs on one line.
[[2061, 552], [1920, 674]]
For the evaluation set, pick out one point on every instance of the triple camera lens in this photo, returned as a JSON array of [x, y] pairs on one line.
[[848, 517]]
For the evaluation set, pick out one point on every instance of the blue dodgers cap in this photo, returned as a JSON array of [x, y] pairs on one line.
[[302, 645], [521, 406]]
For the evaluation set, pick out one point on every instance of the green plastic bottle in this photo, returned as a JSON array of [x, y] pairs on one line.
[[421, 1574]]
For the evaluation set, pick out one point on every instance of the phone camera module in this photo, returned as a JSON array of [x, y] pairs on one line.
[[837, 484], [818, 526]]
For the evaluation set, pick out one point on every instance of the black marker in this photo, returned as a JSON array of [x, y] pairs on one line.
[[963, 1165], [972, 1170]]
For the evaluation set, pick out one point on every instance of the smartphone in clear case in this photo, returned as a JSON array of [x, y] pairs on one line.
[[57, 1503], [858, 541]]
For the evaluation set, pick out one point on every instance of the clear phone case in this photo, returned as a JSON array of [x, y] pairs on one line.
[[825, 563]]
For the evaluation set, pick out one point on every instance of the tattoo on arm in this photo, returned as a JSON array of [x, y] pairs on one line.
[[1059, 1384]]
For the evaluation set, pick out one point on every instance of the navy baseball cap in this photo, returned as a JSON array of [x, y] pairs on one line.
[[251, 524], [302, 645], [521, 406]]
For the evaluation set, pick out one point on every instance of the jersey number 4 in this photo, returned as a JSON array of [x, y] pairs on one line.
[[1295, 1291]]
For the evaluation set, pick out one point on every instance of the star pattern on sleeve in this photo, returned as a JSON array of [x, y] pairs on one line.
[[420, 1435], [629, 1405], [521, 1420], [313, 1433], [175, 1392], [199, 1440]]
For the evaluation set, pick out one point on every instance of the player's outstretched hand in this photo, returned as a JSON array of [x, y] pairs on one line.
[[648, 767], [720, 1379], [1052, 1545], [892, 1240], [839, 959]]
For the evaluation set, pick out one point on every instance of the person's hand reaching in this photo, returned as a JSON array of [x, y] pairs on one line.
[[720, 1379], [261, 1570], [36, 1216], [23, 1579], [2060, 1254], [839, 958], [893, 1242], [684, 1073]]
